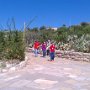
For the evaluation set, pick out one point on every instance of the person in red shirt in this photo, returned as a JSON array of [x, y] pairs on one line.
[[36, 47], [52, 52]]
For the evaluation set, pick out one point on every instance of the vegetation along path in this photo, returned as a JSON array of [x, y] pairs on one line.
[[40, 74]]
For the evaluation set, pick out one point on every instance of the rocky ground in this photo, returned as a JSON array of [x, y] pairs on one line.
[[41, 74]]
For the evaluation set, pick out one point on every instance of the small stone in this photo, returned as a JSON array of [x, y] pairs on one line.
[[4, 70], [22, 64], [12, 69]]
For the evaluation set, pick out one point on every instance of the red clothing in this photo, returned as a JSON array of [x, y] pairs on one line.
[[52, 48], [36, 45]]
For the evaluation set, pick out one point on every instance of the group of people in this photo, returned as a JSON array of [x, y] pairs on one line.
[[48, 49]]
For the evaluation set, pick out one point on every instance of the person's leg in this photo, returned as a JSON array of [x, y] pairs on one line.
[[50, 55], [44, 53], [36, 52], [53, 56], [47, 52]]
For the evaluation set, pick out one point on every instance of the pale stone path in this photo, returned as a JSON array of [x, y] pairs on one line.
[[40, 74]]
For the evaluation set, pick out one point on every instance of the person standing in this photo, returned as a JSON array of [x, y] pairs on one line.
[[44, 49], [36, 47], [48, 47], [52, 52]]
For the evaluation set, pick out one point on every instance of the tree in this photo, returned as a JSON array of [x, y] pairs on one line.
[[43, 28], [84, 24]]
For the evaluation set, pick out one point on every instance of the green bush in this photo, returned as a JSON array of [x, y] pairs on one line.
[[81, 44], [12, 45]]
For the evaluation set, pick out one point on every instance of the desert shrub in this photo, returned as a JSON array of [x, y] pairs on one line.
[[80, 44], [11, 45]]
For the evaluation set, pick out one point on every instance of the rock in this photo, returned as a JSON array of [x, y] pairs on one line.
[[59, 55], [12, 69], [79, 56], [8, 65], [22, 64], [85, 59], [4, 70]]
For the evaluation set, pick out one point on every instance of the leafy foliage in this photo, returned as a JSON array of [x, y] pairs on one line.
[[74, 37], [11, 45]]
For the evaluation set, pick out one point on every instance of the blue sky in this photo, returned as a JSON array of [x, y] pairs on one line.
[[52, 13]]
